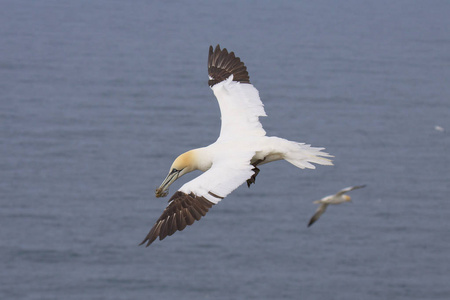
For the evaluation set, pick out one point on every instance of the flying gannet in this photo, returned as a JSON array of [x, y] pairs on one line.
[[337, 198], [231, 160]]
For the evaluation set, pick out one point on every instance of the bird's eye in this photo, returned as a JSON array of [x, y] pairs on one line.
[[173, 171]]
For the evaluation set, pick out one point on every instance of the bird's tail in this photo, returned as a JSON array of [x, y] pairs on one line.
[[304, 156]]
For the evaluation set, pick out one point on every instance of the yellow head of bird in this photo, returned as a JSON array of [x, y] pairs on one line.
[[182, 164]]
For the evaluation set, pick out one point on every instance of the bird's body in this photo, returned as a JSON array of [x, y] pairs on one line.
[[337, 198], [233, 159]]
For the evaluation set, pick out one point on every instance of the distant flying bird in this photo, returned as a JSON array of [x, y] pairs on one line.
[[234, 157], [337, 198]]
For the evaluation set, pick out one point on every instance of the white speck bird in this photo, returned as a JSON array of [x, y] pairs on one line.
[[231, 160], [337, 198]]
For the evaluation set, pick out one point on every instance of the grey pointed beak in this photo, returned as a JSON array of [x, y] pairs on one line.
[[163, 189]]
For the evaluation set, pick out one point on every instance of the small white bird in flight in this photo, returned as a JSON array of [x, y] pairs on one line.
[[231, 160], [337, 198]]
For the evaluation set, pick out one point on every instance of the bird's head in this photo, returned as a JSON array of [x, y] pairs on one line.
[[183, 164], [347, 198]]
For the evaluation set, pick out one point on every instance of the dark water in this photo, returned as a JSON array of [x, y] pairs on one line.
[[98, 97]]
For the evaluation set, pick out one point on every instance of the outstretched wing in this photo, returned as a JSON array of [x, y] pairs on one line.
[[193, 200], [318, 213], [348, 189], [183, 210], [239, 102]]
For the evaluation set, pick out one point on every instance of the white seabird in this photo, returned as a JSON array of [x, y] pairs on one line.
[[337, 198], [231, 160]]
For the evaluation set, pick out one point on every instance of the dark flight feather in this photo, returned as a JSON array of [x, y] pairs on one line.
[[183, 210], [222, 65]]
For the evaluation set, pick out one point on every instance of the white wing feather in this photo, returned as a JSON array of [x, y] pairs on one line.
[[240, 108], [348, 189], [222, 178]]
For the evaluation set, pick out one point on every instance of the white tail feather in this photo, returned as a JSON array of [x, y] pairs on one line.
[[304, 155]]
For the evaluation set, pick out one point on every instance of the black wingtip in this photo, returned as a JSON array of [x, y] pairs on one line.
[[222, 64], [147, 240], [183, 209], [312, 220]]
